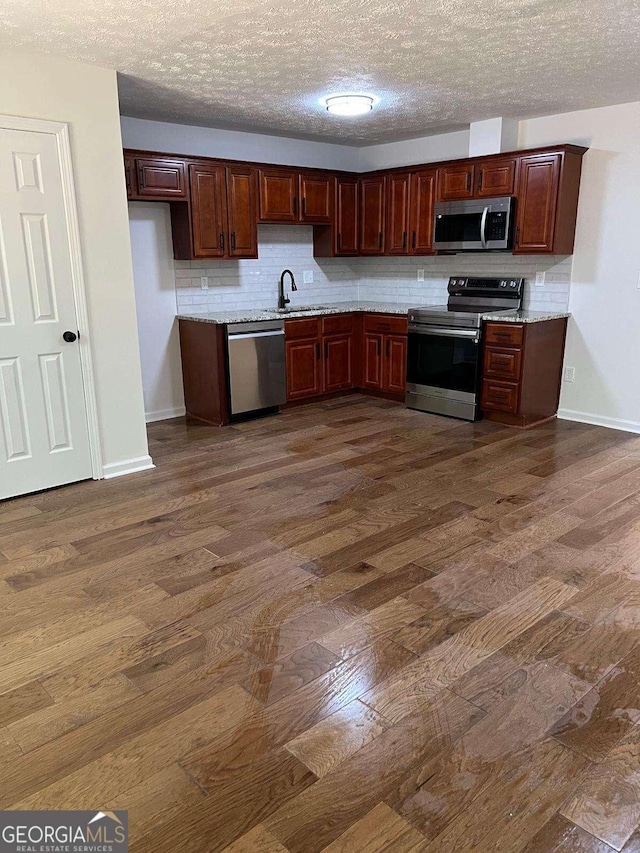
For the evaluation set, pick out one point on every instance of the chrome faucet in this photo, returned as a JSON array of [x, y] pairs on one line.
[[283, 300]]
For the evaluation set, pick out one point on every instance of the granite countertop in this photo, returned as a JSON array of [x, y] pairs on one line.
[[249, 316], [524, 316]]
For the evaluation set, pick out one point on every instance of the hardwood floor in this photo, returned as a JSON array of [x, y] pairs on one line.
[[351, 628]]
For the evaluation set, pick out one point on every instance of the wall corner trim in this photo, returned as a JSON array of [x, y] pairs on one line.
[[599, 420], [127, 466], [165, 414]]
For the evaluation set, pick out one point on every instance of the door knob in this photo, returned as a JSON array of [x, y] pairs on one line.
[[69, 337]]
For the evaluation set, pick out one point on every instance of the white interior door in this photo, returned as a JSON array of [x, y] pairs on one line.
[[44, 435]]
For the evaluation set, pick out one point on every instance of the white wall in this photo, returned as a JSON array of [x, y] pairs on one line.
[[85, 97], [153, 272], [236, 145], [426, 149], [604, 341]]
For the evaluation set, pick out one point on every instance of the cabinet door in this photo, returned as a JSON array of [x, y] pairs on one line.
[[397, 237], [395, 364], [455, 182], [347, 219], [161, 177], [423, 185], [536, 206], [495, 178], [316, 197], [207, 211], [241, 212], [372, 212], [129, 175], [278, 195], [337, 363], [304, 368], [372, 367]]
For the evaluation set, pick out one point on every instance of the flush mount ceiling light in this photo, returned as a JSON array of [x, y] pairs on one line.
[[349, 105]]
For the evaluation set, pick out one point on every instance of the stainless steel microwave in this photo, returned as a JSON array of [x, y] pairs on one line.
[[474, 225]]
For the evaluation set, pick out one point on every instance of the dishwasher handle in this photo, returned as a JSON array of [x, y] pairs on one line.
[[243, 335]]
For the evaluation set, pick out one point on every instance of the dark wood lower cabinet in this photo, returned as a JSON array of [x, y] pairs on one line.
[[372, 366], [304, 368], [395, 364], [522, 371], [338, 367]]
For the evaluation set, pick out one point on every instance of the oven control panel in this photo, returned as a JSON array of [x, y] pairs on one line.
[[486, 286]]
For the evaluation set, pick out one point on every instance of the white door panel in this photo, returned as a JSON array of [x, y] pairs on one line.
[[44, 438]]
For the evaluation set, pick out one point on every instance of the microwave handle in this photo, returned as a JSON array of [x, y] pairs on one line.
[[483, 227]]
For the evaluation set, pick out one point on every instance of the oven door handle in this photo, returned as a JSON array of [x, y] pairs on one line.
[[483, 227], [444, 332]]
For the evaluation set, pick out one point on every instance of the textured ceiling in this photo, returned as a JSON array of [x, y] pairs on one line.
[[262, 66]]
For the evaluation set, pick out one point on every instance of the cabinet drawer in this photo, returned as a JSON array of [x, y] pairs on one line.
[[500, 396], [504, 334], [385, 323], [502, 363], [307, 327], [337, 324]]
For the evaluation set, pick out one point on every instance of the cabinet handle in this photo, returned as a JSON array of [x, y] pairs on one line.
[[498, 395], [141, 176], [378, 350], [404, 239], [517, 240], [222, 240], [339, 241], [295, 205], [318, 350], [233, 241], [413, 240], [468, 181], [379, 239]]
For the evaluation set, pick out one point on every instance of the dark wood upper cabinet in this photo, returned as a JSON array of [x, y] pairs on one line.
[[207, 186], [495, 178], [537, 201], [278, 192], [455, 181], [242, 212], [421, 218], [316, 197], [161, 177], [129, 174], [347, 216], [372, 204], [397, 226]]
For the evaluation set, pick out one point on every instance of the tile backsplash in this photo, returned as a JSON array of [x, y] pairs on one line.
[[254, 283]]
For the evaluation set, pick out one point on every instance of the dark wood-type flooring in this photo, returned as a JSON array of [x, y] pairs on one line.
[[352, 627]]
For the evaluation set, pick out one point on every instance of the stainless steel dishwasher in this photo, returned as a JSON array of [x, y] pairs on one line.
[[257, 376]]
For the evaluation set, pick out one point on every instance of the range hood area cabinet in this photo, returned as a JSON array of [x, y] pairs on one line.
[[217, 204]]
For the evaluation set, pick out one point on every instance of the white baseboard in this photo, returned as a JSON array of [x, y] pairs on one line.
[[599, 420], [164, 414], [127, 466]]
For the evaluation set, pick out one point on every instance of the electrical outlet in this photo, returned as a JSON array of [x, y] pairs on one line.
[[569, 374], [204, 282], [539, 279], [307, 276], [420, 275]]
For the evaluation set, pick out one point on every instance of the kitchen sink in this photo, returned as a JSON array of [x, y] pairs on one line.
[[298, 308]]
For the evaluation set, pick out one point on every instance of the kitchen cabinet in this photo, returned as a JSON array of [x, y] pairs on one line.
[[347, 216], [129, 174], [223, 217], [316, 197], [397, 225], [385, 354], [161, 178], [319, 355], [522, 367], [495, 178], [372, 215], [455, 181], [421, 215], [278, 189]]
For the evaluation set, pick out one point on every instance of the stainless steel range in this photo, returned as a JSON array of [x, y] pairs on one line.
[[444, 345]]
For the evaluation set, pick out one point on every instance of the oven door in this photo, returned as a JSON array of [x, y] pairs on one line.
[[443, 370], [474, 225]]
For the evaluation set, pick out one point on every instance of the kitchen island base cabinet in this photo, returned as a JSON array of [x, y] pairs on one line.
[[522, 371]]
